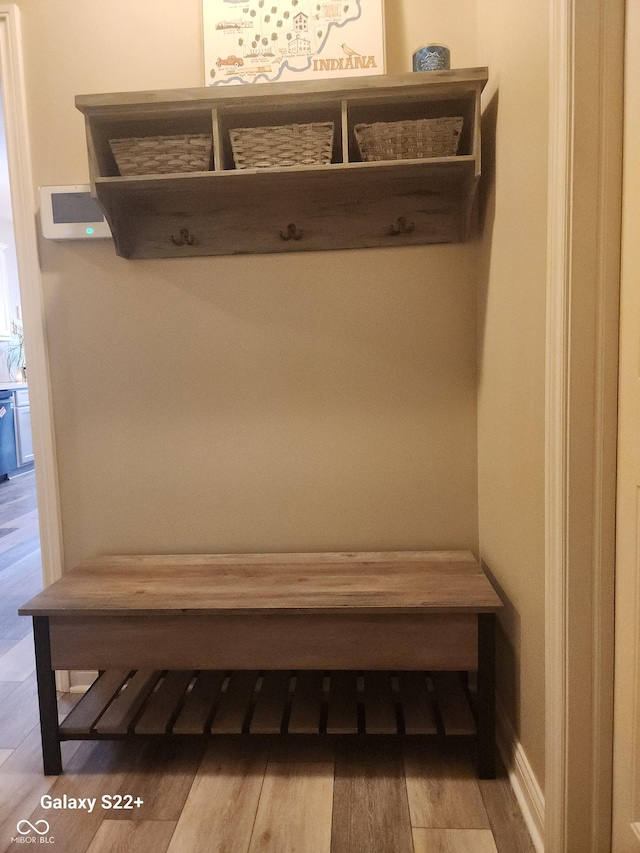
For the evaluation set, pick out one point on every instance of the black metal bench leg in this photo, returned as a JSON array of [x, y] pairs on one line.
[[486, 696], [47, 698]]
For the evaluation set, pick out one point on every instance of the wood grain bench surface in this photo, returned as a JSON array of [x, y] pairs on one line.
[[405, 582]]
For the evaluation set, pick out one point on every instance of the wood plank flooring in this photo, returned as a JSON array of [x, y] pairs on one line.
[[295, 794]]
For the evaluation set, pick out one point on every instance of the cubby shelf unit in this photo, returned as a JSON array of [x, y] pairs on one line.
[[342, 205]]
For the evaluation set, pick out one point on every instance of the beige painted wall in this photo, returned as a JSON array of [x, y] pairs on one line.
[[513, 41], [309, 401], [300, 402], [413, 23]]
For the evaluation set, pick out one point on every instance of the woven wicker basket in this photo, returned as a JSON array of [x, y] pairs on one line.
[[285, 145], [156, 155], [409, 140]]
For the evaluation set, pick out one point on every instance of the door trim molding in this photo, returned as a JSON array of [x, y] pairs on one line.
[[626, 828], [556, 436], [581, 389], [31, 296]]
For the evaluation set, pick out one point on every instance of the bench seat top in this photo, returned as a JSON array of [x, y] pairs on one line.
[[409, 582]]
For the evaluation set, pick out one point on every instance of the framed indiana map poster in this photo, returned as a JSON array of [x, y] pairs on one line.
[[256, 41]]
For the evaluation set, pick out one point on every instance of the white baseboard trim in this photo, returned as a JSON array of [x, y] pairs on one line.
[[81, 680], [62, 681], [523, 780]]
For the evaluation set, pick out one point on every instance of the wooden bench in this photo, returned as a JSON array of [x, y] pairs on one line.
[[293, 643]]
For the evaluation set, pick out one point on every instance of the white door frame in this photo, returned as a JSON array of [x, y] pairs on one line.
[[31, 297], [585, 182], [626, 777]]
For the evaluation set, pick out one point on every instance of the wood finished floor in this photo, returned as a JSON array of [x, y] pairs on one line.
[[284, 796]]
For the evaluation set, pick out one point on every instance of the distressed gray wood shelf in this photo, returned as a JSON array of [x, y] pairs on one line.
[[345, 204]]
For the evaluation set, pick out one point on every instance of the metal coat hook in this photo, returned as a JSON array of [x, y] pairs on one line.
[[186, 238], [293, 233], [402, 227]]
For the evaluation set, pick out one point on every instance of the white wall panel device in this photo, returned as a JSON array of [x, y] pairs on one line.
[[71, 213]]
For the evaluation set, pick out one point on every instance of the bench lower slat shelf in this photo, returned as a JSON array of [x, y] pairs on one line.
[[90, 708], [149, 703]]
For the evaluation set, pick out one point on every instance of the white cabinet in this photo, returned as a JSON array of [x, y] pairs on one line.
[[22, 414]]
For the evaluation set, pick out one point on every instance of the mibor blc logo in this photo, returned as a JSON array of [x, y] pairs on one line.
[[32, 833]]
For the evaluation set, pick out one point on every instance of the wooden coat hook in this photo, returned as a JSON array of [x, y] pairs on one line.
[[402, 226], [293, 233], [186, 238]]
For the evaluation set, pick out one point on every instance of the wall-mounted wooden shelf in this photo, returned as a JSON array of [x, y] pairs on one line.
[[345, 204]]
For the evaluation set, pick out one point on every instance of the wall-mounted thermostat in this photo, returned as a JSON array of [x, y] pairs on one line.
[[71, 213]]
